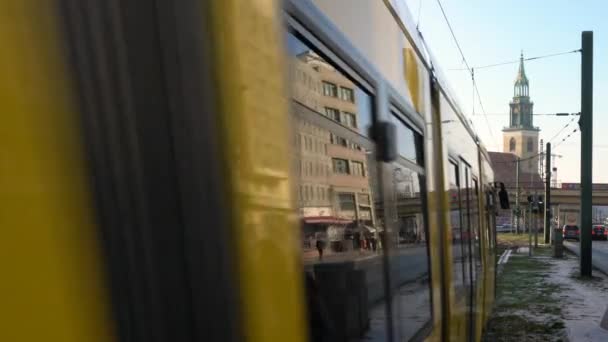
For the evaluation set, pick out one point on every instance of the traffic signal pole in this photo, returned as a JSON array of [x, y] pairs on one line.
[[535, 225], [547, 230], [586, 126], [529, 226]]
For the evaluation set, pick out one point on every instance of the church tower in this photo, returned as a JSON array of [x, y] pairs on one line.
[[521, 137]]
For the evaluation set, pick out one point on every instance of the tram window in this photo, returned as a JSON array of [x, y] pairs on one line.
[[456, 224], [408, 145], [408, 253], [467, 239], [341, 249], [476, 228]]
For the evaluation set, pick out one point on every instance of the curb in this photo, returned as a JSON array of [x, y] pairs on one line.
[[503, 260]]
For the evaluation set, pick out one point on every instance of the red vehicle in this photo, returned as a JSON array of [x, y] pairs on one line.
[[599, 232], [572, 232]]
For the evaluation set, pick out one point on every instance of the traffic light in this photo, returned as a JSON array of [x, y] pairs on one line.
[[537, 203]]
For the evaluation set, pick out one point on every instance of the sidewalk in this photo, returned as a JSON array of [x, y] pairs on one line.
[[311, 256], [540, 298]]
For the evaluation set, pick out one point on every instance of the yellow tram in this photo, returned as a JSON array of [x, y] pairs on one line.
[[236, 170]]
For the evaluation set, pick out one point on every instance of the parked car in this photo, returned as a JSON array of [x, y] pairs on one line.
[[572, 232], [598, 232], [503, 228]]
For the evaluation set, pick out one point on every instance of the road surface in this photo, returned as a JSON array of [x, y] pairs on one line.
[[599, 250], [407, 264]]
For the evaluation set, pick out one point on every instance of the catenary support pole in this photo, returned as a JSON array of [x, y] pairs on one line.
[[547, 230], [529, 226], [586, 126]]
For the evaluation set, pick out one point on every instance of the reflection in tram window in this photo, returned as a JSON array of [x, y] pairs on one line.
[[475, 227], [465, 204], [344, 233], [406, 142], [455, 221], [340, 227], [407, 236]]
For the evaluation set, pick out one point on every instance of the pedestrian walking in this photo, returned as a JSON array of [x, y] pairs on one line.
[[320, 246]]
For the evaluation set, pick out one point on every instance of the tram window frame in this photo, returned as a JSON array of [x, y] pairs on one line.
[[471, 302], [339, 131], [456, 168], [477, 256], [335, 50], [399, 118], [469, 278], [416, 137]]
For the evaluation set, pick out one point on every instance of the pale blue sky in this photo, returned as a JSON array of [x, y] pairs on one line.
[[495, 31]]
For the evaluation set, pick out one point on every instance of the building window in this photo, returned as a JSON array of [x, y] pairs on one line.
[[330, 89], [350, 120], [340, 166], [530, 147], [357, 169], [364, 199], [346, 201], [512, 145], [332, 113], [336, 140], [346, 94]]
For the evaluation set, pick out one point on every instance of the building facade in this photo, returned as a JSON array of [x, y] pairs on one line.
[[520, 137], [334, 175]]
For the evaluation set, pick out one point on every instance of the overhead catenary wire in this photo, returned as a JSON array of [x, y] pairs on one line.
[[566, 138], [453, 35], [517, 61], [562, 129], [483, 110], [471, 71]]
